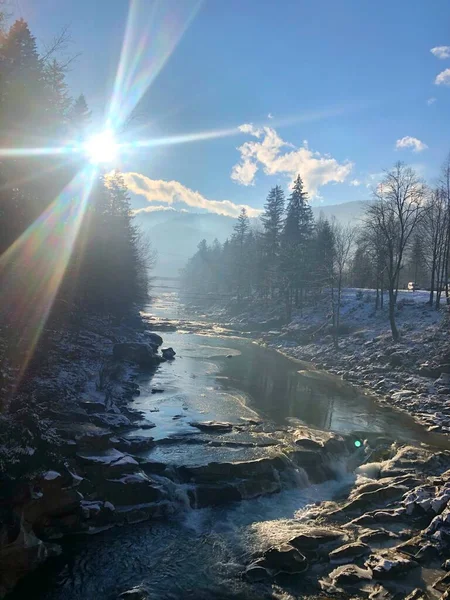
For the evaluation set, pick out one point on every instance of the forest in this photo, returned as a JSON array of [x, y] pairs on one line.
[[287, 257]]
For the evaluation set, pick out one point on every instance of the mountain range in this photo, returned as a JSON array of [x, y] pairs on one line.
[[175, 235]]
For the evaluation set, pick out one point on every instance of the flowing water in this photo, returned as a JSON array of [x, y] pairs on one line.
[[200, 553]]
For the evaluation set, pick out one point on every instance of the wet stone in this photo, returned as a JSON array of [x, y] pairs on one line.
[[349, 574], [349, 552], [315, 538], [389, 564], [284, 559]]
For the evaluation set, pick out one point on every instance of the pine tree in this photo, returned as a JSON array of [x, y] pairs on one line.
[[299, 222], [238, 239], [296, 240], [241, 228], [272, 219]]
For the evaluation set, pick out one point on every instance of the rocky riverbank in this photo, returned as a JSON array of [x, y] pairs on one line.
[[75, 403], [75, 466], [388, 539]]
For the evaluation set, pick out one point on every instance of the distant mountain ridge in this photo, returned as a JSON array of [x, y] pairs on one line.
[[175, 235]]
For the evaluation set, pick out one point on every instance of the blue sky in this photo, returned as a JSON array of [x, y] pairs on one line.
[[352, 78]]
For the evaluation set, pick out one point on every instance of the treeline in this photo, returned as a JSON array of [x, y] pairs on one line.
[[68, 244], [289, 257]]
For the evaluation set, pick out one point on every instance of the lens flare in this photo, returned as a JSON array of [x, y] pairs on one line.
[[102, 148], [151, 35], [33, 267]]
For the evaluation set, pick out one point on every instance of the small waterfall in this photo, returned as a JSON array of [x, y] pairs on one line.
[[294, 476]]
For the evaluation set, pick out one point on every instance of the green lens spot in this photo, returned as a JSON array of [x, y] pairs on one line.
[[358, 443]]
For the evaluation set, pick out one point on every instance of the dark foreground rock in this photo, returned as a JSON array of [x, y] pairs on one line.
[[142, 354]]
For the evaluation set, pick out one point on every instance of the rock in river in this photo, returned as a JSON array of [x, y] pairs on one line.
[[168, 353], [283, 559]]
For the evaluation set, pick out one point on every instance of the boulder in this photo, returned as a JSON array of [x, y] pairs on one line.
[[21, 557], [256, 573], [349, 552], [92, 437], [213, 472], [212, 426], [316, 538], [134, 488], [309, 443], [168, 353], [389, 564], [374, 536], [142, 354], [113, 420], [377, 496], [154, 339], [283, 559], [349, 574]]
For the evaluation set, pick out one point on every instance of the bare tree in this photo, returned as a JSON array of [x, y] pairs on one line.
[[344, 237], [445, 190], [433, 231], [395, 212]]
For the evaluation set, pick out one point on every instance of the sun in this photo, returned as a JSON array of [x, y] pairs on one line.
[[102, 148]]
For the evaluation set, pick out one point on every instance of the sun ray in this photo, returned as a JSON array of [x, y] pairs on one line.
[[33, 267], [149, 41]]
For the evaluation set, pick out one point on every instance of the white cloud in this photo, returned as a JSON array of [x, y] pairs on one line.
[[244, 172], [270, 116], [150, 209], [411, 142], [316, 169], [355, 182], [443, 78], [157, 190], [431, 101], [441, 51]]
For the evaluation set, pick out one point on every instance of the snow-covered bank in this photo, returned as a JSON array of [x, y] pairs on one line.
[[412, 375]]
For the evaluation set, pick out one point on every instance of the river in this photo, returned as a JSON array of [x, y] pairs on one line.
[[199, 553]]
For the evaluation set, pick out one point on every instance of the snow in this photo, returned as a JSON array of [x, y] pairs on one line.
[[51, 475], [109, 457]]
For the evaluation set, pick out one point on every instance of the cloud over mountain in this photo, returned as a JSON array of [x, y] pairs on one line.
[[169, 192]]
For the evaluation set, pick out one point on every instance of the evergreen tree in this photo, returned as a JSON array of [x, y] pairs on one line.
[[296, 251], [272, 219], [238, 242], [299, 222]]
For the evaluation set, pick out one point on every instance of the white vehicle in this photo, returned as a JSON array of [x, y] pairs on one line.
[[412, 286]]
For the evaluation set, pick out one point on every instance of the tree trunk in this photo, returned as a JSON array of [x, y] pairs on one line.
[[333, 304], [433, 270], [395, 333]]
